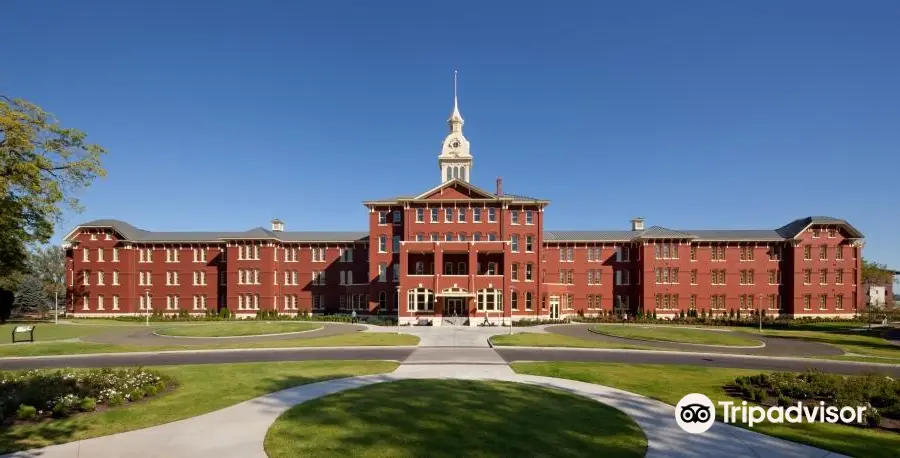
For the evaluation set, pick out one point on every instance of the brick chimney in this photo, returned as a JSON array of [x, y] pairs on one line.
[[499, 186]]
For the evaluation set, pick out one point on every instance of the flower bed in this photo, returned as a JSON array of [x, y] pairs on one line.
[[37, 394], [879, 393]]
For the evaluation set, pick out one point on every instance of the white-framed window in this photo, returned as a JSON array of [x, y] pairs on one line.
[[461, 215], [419, 300], [823, 276], [839, 253], [171, 278], [448, 215], [435, 237], [807, 252], [807, 302], [382, 272], [318, 302], [199, 254], [492, 237], [199, 302], [832, 233], [476, 215], [200, 278], [99, 254], [514, 242], [838, 301], [145, 254], [115, 278], [514, 300], [318, 254], [343, 278], [489, 299], [382, 243], [395, 273], [99, 278], [529, 217], [492, 215], [86, 255], [529, 244], [514, 272], [420, 215], [823, 301], [839, 276], [476, 236], [145, 301], [93, 236], [807, 276], [171, 254], [420, 237], [815, 233], [172, 302], [529, 272], [382, 217], [395, 245], [514, 216], [823, 252], [100, 303], [115, 301], [396, 218], [434, 215]]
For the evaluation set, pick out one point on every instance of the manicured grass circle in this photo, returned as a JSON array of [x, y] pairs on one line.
[[673, 334], [237, 329], [453, 418]]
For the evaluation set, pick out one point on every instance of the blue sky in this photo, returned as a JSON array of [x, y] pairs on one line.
[[223, 115]]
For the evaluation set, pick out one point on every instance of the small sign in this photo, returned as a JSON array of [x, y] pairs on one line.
[[24, 328]]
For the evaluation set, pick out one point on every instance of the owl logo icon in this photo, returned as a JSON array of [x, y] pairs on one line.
[[695, 413]]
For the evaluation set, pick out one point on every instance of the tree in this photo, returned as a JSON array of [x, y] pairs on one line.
[[42, 165], [875, 273], [48, 263], [30, 297]]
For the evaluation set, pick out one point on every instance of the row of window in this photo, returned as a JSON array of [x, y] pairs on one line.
[[823, 276], [86, 255], [816, 232], [458, 215], [823, 253], [823, 302], [355, 301], [594, 254]]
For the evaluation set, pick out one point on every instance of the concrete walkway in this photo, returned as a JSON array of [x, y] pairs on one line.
[[239, 431]]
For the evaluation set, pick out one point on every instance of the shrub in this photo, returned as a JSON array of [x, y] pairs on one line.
[[785, 401], [64, 392], [873, 417], [115, 400], [26, 412], [136, 395], [88, 404]]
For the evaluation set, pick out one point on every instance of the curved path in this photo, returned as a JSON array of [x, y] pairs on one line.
[[774, 346], [146, 336], [239, 431]]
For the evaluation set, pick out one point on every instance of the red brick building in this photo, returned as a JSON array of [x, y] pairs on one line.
[[460, 254]]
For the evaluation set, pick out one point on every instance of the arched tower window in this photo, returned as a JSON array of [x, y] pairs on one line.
[[449, 173], [463, 174]]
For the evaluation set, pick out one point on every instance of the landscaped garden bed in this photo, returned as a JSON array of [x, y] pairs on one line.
[[879, 393], [36, 395]]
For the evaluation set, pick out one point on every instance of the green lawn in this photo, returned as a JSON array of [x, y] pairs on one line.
[[341, 340], [870, 343], [201, 388], [673, 334], [49, 331], [249, 328], [452, 418], [670, 383], [529, 339]]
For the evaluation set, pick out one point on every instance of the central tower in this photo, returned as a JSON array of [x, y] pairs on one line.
[[455, 160]]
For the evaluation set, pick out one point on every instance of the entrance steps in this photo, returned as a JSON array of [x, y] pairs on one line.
[[455, 321]]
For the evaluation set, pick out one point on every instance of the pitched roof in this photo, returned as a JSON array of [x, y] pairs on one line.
[[795, 227], [130, 232], [788, 231], [484, 194]]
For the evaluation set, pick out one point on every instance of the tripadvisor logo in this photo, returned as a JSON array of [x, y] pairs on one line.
[[695, 413]]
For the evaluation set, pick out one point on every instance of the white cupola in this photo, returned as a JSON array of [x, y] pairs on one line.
[[455, 161]]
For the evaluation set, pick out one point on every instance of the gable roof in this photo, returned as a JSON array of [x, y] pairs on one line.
[[795, 227], [481, 194], [129, 232]]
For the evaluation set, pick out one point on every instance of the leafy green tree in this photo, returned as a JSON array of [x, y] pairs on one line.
[[48, 263], [875, 273], [30, 298], [42, 166]]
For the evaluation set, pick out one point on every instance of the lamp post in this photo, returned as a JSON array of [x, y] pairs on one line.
[[759, 311], [147, 306], [56, 307]]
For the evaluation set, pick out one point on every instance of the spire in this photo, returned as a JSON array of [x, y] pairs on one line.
[[456, 120]]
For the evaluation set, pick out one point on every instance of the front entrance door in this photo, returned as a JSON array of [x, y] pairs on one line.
[[455, 307], [554, 307]]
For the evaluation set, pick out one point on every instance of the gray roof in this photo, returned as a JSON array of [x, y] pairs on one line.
[[140, 235], [589, 236], [788, 231], [792, 229]]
